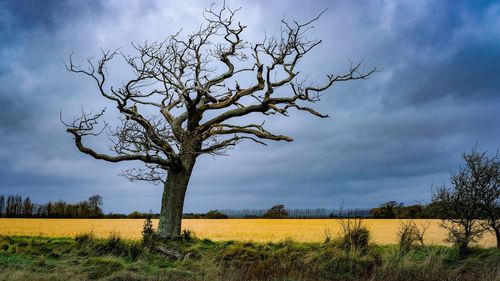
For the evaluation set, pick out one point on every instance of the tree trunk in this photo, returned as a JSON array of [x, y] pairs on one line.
[[463, 249], [497, 234], [172, 202]]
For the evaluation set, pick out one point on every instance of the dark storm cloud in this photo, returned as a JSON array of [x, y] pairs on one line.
[[466, 73], [11, 112], [32, 14], [390, 138]]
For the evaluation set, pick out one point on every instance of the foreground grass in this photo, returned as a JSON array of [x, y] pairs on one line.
[[84, 258]]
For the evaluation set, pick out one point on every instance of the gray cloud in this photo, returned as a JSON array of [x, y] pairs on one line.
[[389, 138]]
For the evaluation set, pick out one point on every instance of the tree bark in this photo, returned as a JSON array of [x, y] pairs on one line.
[[497, 234], [172, 203], [463, 249]]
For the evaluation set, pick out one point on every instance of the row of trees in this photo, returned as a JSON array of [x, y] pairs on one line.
[[388, 210], [299, 213], [213, 214], [12, 206], [397, 210], [15, 206]]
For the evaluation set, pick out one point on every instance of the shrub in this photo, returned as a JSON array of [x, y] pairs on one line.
[[354, 235], [409, 234], [148, 232]]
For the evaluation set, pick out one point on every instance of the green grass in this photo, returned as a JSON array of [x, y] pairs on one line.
[[87, 258]]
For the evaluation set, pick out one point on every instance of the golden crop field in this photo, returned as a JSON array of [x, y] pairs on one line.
[[262, 230]]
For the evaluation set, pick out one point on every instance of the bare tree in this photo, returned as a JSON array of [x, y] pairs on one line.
[[460, 212], [199, 106], [485, 176], [471, 204]]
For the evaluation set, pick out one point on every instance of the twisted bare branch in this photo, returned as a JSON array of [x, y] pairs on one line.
[[191, 82]]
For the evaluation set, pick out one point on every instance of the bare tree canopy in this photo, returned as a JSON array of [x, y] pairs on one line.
[[484, 170], [193, 82], [471, 204]]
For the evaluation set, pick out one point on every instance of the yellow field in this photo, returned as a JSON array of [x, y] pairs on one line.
[[262, 230]]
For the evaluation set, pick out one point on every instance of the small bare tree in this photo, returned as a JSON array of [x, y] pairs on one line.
[[469, 204], [199, 107], [460, 212], [485, 173]]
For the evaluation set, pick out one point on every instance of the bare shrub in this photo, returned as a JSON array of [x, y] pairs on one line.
[[354, 235], [409, 233]]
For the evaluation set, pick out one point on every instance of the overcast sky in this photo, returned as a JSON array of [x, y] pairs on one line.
[[391, 137]]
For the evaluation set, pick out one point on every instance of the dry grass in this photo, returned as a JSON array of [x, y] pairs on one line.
[[260, 230]]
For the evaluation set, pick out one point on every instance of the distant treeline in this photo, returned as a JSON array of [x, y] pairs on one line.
[[391, 209], [298, 213], [15, 206], [214, 214]]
